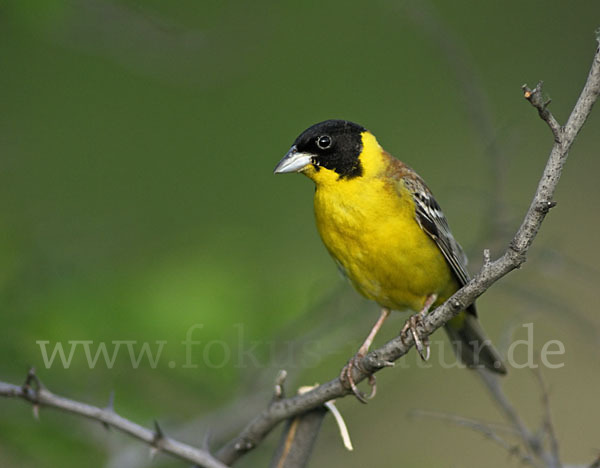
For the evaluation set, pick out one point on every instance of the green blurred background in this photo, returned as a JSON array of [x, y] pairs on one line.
[[137, 141]]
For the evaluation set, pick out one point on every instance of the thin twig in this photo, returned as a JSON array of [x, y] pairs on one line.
[[548, 424], [534, 96], [36, 394], [531, 442], [475, 424], [513, 258], [489, 430]]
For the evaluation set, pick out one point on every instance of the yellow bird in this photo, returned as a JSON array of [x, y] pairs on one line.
[[387, 234]]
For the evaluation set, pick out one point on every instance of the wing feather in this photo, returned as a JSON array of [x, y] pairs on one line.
[[432, 220]]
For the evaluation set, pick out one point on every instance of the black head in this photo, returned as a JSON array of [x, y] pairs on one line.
[[332, 144]]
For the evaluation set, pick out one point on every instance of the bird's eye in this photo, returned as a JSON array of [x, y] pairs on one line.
[[324, 142]]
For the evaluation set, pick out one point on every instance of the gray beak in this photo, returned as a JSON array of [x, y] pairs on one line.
[[293, 161]]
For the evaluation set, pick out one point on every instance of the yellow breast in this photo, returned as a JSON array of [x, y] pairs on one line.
[[368, 225]]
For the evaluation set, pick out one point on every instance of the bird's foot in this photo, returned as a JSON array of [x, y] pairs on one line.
[[421, 343], [414, 323], [348, 381], [346, 375]]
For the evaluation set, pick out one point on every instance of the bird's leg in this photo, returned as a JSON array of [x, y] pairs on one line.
[[346, 374], [414, 321]]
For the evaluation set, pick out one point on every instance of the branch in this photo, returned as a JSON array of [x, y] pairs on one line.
[[537, 453], [300, 433], [298, 439], [36, 394], [532, 442], [548, 425], [489, 430], [491, 272]]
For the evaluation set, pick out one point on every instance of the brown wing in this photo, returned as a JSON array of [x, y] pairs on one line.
[[430, 217]]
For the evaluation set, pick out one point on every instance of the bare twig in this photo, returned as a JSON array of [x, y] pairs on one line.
[[513, 258], [534, 96], [536, 452], [475, 424], [489, 430], [548, 424], [36, 394], [532, 443]]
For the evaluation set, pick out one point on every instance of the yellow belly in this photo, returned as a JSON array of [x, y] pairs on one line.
[[370, 230]]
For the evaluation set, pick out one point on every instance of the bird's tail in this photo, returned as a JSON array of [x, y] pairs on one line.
[[471, 345]]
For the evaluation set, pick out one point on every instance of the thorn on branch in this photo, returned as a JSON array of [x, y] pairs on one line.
[[158, 433], [159, 436], [31, 389], [33, 392], [110, 406], [32, 382]]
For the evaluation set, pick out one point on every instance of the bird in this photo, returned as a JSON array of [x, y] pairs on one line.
[[388, 236]]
